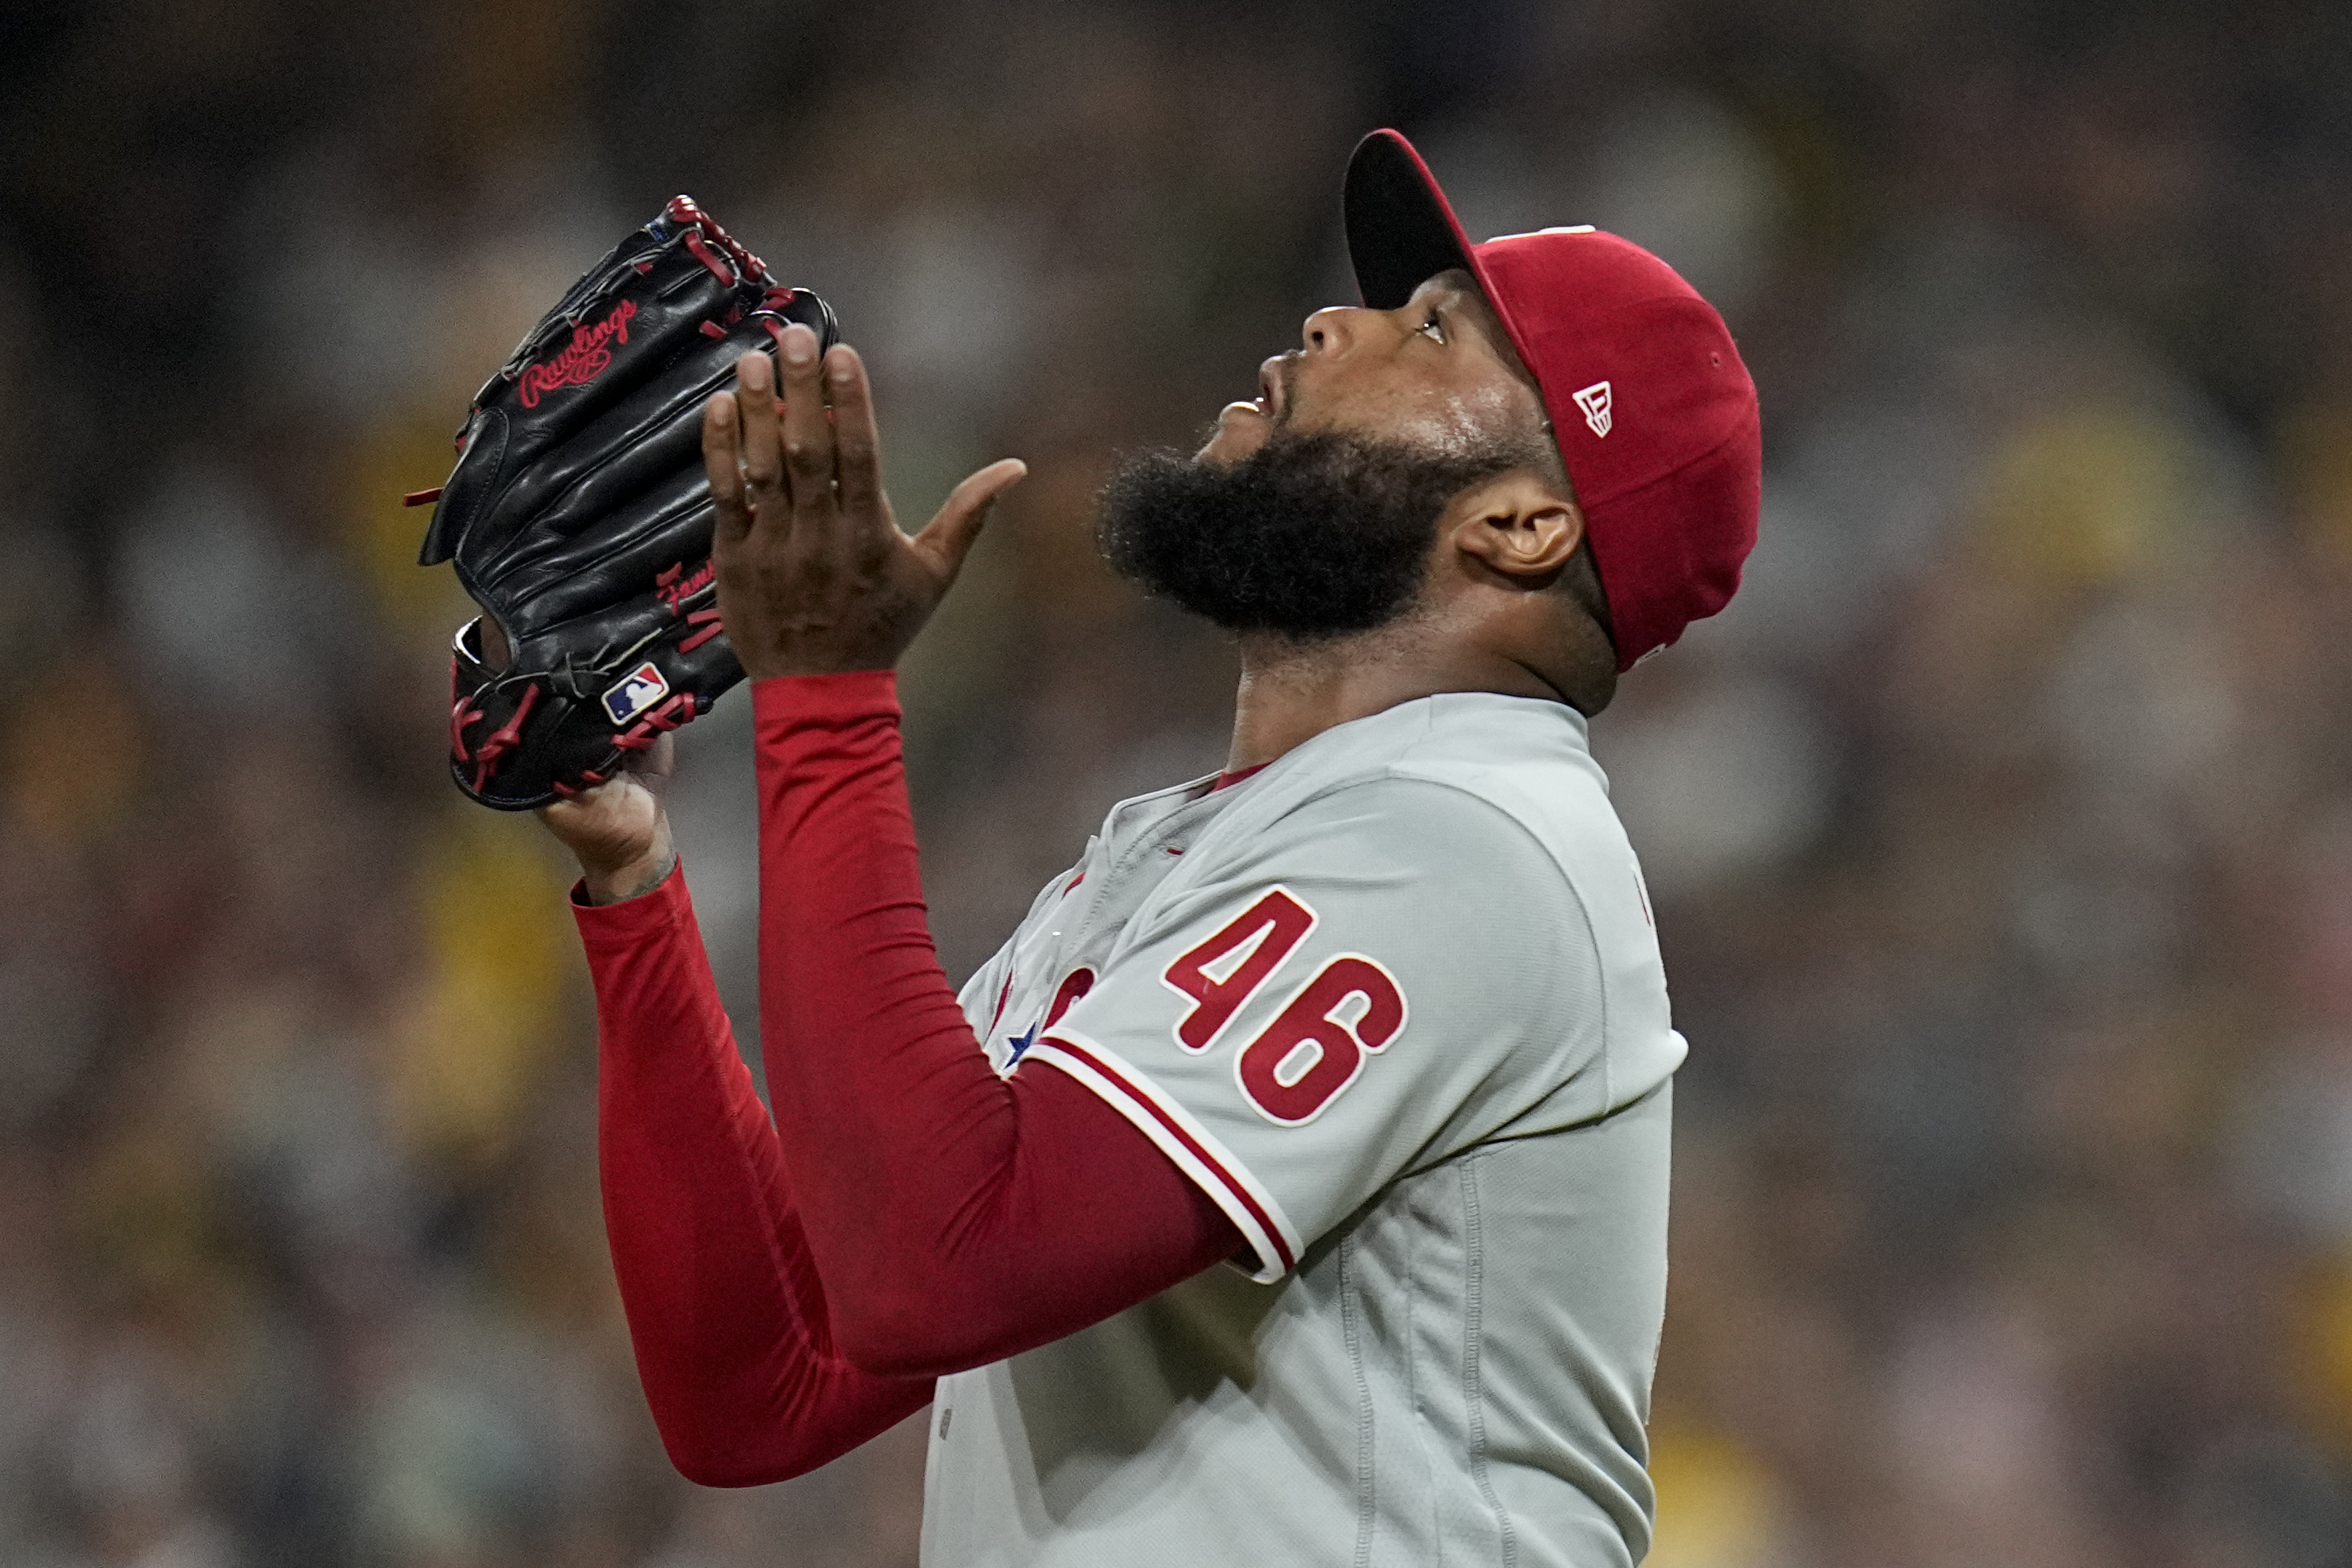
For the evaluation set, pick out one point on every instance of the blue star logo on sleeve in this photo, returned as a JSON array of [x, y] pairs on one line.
[[1019, 1044]]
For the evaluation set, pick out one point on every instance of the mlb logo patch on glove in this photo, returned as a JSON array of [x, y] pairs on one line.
[[639, 690]]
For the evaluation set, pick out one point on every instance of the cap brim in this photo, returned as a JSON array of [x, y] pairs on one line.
[[1402, 231]]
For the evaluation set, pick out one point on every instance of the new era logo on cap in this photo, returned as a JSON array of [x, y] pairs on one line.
[[1594, 401], [633, 693]]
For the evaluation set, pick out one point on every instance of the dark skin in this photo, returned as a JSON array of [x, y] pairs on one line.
[[815, 578]]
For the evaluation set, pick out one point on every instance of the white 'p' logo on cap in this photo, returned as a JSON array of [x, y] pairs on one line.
[[1594, 401]]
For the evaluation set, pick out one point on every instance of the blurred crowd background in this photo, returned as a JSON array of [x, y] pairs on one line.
[[2001, 834]]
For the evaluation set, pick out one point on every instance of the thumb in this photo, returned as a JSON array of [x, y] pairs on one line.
[[950, 535]]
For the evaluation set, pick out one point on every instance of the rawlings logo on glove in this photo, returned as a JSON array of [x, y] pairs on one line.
[[579, 362]]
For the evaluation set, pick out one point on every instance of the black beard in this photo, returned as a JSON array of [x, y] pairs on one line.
[[1309, 536]]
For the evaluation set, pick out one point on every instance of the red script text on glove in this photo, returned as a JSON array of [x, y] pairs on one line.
[[581, 360]]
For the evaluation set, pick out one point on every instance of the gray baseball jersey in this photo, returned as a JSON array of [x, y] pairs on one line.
[[1394, 1003]]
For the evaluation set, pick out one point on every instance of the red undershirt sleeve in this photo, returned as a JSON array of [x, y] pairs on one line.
[[789, 1296], [725, 1311], [954, 1217]]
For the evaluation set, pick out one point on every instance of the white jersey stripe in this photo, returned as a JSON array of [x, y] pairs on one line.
[[1180, 1137]]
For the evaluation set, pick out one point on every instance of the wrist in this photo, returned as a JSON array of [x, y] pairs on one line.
[[633, 880]]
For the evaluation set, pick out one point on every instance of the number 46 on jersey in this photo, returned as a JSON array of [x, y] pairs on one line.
[[1348, 1012]]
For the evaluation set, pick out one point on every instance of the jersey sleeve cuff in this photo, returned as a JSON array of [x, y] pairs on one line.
[[622, 924], [1179, 1135], [792, 701]]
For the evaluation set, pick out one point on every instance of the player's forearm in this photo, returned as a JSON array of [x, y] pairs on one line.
[[955, 1218], [725, 1312], [872, 1068]]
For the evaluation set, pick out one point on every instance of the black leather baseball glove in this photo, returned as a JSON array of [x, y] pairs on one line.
[[579, 517]]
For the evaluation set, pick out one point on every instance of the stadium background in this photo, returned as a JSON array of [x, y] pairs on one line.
[[2002, 835]]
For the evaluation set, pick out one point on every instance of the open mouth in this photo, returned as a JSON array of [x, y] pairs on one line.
[[1272, 377], [1273, 391]]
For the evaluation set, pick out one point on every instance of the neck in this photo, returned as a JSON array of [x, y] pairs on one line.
[[1292, 691]]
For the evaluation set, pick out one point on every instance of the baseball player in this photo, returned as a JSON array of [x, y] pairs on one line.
[[1292, 1186]]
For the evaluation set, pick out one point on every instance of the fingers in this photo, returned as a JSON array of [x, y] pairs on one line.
[[950, 535], [653, 765], [723, 461], [858, 450], [807, 433], [614, 824], [763, 461]]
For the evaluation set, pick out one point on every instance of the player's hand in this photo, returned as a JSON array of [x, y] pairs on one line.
[[815, 576], [618, 831]]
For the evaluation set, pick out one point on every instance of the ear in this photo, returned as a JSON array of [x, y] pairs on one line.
[[1516, 525]]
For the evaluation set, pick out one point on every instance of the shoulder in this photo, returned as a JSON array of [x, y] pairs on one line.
[[1398, 822], [1422, 856], [1504, 781], [1449, 809], [1513, 752]]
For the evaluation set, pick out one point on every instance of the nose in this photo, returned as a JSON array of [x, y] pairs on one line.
[[1331, 329]]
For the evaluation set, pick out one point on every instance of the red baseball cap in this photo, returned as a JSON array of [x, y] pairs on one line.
[[1654, 413]]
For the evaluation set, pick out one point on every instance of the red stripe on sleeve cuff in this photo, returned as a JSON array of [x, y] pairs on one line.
[[1188, 1145]]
